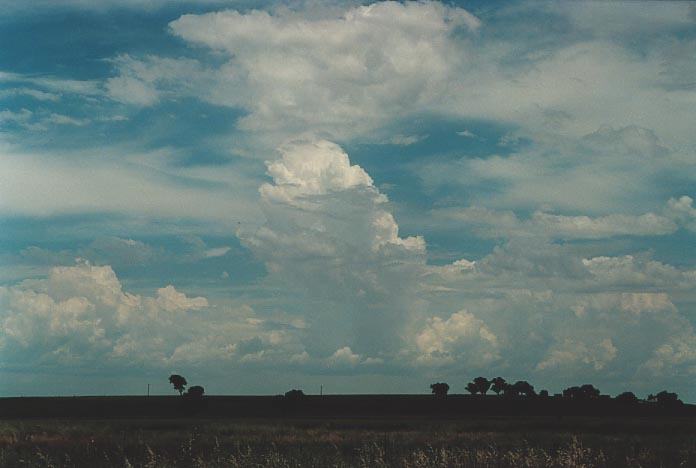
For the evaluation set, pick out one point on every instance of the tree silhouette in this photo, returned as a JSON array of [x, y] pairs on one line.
[[294, 394], [439, 389], [665, 398], [471, 388], [627, 397], [178, 382], [544, 394], [584, 392], [498, 385], [521, 387], [482, 385], [195, 392]]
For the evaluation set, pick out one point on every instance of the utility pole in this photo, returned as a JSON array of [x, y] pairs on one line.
[[321, 390], [148, 390]]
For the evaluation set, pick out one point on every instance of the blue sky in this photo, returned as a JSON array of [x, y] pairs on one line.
[[366, 196]]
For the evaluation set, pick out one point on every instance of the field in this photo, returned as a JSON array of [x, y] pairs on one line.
[[477, 442], [343, 431]]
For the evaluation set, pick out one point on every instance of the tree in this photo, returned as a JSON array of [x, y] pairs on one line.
[[522, 387], [471, 388], [178, 382], [665, 398], [584, 392], [627, 398], [589, 391], [294, 394], [498, 385], [544, 394], [439, 389], [482, 385], [195, 392]]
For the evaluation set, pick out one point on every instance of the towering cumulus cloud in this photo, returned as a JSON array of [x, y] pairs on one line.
[[330, 237]]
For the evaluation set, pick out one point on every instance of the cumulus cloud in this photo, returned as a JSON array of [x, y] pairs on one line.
[[571, 352], [344, 357], [80, 315], [342, 74], [348, 71], [329, 233], [683, 211], [461, 338]]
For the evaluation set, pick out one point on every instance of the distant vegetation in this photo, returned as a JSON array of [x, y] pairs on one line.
[[179, 383], [523, 389]]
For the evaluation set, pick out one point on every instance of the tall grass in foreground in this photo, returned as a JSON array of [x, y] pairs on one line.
[[239, 445]]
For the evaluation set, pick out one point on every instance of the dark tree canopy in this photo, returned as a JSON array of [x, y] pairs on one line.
[[195, 392], [498, 385], [584, 392], [294, 394], [178, 382], [482, 385], [524, 388], [627, 397], [439, 389], [665, 398], [544, 394]]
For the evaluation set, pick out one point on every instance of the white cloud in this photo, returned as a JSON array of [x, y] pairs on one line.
[[683, 211], [309, 168], [49, 184], [34, 93], [60, 119], [52, 85], [329, 234], [344, 357], [405, 140], [595, 173], [467, 133], [462, 338], [342, 74], [21, 117], [504, 224], [571, 352], [80, 315]]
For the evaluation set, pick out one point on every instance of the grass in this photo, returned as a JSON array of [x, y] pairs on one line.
[[338, 443]]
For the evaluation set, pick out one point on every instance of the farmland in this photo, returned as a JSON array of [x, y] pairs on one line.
[[304, 436]]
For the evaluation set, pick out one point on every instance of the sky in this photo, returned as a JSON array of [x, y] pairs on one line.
[[370, 197]]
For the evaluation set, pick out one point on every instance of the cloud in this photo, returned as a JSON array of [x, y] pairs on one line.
[[50, 85], [572, 352], [405, 140], [34, 93], [330, 236], [341, 74], [143, 82], [81, 313], [595, 173], [505, 224], [344, 357], [49, 184], [21, 117], [683, 211], [60, 119], [80, 316], [467, 133], [462, 338]]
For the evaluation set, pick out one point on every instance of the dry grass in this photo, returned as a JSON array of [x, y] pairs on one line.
[[327, 444]]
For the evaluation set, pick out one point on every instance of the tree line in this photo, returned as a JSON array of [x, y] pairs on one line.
[[523, 389], [481, 386]]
